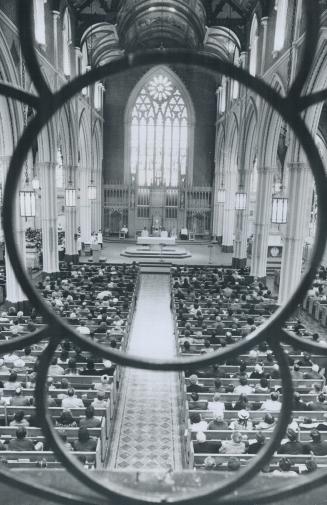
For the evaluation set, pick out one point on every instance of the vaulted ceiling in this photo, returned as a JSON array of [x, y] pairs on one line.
[[233, 14]]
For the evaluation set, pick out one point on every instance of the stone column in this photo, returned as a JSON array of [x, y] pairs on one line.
[[71, 254], [14, 293], [229, 212], [85, 206], [218, 212], [262, 222], [47, 171], [299, 187], [241, 228]]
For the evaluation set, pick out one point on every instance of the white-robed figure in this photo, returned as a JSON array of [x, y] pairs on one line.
[[124, 230], [100, 238]]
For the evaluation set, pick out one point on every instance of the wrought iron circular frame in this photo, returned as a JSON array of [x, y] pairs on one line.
[[47, 104]]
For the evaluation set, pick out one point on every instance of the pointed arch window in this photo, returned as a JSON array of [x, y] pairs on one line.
[[254, 38], [66, 43], [39, 21], [159, 133], [281, 7]]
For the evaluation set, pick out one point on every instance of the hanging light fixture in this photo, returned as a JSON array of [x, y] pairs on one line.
[[70, 197], [221, 196], [70, 192], [240, 200], [35, 183], [92, 191], [27, 203], [279, 210]]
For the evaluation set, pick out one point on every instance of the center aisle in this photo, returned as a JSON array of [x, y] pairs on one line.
[[146, 433]]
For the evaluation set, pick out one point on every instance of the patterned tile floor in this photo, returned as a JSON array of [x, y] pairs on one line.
[[146, 434]]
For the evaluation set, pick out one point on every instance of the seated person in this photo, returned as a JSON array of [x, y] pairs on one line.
[[195, 386], [19, 400], [318, 447], [13, 382], [267, 424], [84, 443], [243, 422], [197, 424], [284, 468], [66, 419], [100, 401], [243, 387], [203, 446], [20, 443], [218, 422], [293, 446], [19, 419], [272, 404], [72, 401], [233, 446], [90, 420], [258, 444], [195, 404], [63, 436], [216, 406]]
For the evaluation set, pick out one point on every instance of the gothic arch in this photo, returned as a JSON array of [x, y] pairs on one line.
[[250, 140], [84, 141], [270, 128], [175, 79], [231, 149]]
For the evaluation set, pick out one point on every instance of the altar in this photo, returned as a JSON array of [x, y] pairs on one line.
[[156, 242]]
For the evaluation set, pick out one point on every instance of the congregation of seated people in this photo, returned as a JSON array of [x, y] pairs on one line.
[[234, 406], [97, 300]]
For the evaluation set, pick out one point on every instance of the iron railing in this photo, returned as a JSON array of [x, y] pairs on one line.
[[46, 104]]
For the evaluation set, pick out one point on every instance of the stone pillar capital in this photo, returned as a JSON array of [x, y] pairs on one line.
[[265, 170], [298, 165]]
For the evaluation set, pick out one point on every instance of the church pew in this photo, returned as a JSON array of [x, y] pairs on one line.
[[222, 459], [49, 456], [259, 414]]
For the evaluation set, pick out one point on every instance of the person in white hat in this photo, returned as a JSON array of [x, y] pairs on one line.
[[243, 422]]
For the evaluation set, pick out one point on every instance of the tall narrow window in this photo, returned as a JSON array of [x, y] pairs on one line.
[[84, 65], [39, 21], [254, 37], [59, 169], [280, 28], [66, 43], [159, 133]]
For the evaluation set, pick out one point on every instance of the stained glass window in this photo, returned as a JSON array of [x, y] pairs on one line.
[[159, 134]]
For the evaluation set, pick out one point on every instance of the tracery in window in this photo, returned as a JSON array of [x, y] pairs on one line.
[[39, 21], [159, 133]]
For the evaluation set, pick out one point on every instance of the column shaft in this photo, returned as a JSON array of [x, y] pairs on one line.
[[14, 293], [299, 187], [218, 212], [229, 212], [241, 229], [71, 253], [85, 206], [47, 173], [262, 222]]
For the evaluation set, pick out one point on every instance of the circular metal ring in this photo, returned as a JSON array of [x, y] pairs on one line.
[[281, 105], [117, 492]]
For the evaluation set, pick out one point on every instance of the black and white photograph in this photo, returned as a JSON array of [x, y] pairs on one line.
[[163, 259]]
